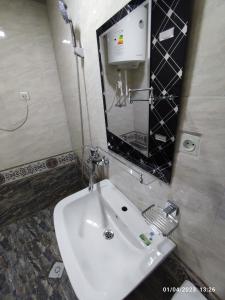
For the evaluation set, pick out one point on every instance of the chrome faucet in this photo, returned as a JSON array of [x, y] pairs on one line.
[[96, 160], [171, 209]]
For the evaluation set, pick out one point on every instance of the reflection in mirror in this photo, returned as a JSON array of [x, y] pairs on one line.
[[141, 57], [125, 66]]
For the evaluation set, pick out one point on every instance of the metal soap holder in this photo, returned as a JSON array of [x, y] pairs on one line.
[[164, 219]]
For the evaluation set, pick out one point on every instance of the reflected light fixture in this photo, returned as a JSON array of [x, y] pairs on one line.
[[66, 42], [2, 34]]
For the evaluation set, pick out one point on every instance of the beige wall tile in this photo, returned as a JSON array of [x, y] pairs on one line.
[[28, 64], [198, 183]]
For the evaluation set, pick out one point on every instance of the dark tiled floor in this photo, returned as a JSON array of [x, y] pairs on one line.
[[28, 250]]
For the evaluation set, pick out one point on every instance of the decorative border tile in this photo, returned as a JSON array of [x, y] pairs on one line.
[[36, 167]]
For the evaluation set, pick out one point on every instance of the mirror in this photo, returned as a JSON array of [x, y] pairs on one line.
[[125, 67], [141, 57]]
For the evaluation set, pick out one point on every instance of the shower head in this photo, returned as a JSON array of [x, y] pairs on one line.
[[63, 10]]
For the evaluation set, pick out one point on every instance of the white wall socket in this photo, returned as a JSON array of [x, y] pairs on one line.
[[190, 143], [24, 96]]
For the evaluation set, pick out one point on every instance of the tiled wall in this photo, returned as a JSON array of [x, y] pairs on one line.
[[26, 189], [198, 182], [28, 64], [66, 64]]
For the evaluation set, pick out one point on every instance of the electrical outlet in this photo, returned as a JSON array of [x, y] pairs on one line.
[[24, 96], [190, 143]]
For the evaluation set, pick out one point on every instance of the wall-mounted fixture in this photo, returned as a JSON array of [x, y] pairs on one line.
[[126, 49], [190, 143], [127, 40], [96, 160], [133, 244], [24, 96], [141, 58], [165, 219], [63, 10]]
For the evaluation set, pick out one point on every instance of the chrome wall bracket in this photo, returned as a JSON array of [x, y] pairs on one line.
[[130, 91], [165, 220], [151, 98]]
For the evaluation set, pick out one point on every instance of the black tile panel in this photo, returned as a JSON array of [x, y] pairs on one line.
[[166, 73]]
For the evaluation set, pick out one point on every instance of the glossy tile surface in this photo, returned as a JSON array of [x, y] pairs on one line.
[[28, 250], [28, 64], [36, 167], [198, 182]]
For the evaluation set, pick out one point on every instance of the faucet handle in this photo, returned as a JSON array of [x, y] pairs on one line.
[[96, 158], [94, 154], [93, 151], [106, 161], [103, 162], [171, 208]]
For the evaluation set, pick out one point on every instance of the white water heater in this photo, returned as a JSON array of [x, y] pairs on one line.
[[127, 40]]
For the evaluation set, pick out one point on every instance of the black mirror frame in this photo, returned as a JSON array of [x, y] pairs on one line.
[[163, 114]]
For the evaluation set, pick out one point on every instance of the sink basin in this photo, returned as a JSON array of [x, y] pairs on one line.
[[106, 245]]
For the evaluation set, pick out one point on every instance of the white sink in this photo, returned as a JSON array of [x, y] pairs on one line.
[[99, 268]]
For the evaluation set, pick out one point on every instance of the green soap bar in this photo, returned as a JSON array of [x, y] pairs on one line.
[[145, 239]]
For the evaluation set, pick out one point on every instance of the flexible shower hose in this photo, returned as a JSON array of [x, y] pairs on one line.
[[22, 123]]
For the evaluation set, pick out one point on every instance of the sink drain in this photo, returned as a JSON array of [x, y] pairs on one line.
[[108, 234]]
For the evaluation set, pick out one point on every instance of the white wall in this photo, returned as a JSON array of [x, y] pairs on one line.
[[28, 64], [66, 63], [198, 183], [120, 119]]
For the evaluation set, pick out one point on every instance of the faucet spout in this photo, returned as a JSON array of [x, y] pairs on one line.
[[96, 161], [91, 177]]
